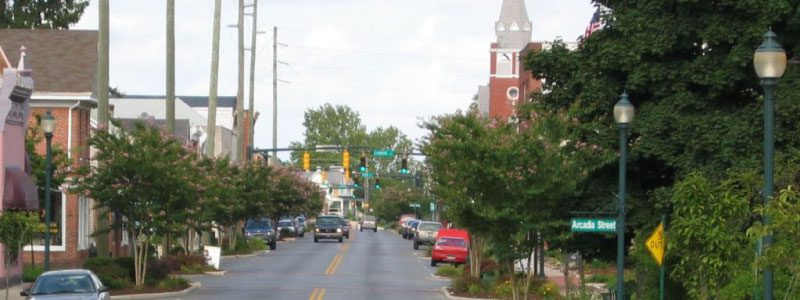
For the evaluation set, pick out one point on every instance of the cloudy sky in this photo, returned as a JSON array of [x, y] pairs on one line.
[[394, 62]]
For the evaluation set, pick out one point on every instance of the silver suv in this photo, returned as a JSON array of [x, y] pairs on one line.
[[368, 222], [426, 233]]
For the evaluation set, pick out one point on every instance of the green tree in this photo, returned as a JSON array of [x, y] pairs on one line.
[[141, 178], [60, 162], [15, 229], [330, 125], [706, 233], [783, 255], [41, 14]]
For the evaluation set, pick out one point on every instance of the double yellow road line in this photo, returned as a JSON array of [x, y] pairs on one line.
[[337, 260], [317, 294]]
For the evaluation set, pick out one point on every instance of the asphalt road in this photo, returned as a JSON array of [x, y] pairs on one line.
[[370, 265]]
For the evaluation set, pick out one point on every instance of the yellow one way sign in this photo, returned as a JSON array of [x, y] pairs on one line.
[[656, 244]]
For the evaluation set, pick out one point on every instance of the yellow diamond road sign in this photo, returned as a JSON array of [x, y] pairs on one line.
[[656, 244]]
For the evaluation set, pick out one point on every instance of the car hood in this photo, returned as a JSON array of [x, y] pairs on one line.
[[328, 226], [259, 230], [82, 296]]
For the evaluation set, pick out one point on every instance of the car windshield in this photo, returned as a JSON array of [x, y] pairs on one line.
[[369, 218], [451, 242], [430, 226], [301, 220], [258, 224], [284, 223], [63, 284], [328, 221]]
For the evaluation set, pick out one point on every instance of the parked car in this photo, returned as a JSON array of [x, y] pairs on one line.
[[346, 228], [301, 226], [426, 233], [368, 222], [262, 229], [77, 284], [328, 227], [452, 246], [286, 225], [408, 231]]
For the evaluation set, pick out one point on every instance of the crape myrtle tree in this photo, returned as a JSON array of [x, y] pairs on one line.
[[160, 188], [142, 180], [506, 183], [687, 66]]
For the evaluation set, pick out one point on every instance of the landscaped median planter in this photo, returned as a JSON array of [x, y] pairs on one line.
[[153, 292]]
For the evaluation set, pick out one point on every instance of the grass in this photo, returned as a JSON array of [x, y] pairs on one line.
[[450, 271]]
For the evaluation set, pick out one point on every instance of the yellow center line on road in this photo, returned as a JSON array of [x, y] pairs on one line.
[[337, 259], [321, 294], [313, 294]]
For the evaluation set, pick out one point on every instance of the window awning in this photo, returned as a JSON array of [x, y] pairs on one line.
[[20, 192]]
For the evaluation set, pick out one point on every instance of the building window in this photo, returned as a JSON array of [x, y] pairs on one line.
[[84, 223], [57, 225]]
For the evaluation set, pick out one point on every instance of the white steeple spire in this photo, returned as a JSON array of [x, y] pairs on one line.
[[514, 28]]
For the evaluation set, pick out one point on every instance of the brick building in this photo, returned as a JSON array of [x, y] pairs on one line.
[[63, 64], [509, 82]]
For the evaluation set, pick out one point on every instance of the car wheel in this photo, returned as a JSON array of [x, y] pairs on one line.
[[361, 229], [433, 263], [341, 240], [375, 229], [416, 245], [316, 240], [273, 245]]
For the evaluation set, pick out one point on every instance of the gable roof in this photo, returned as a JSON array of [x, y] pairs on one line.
[[131, 108], [62, 61]]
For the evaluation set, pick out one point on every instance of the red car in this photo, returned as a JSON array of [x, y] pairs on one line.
[[452, 246]]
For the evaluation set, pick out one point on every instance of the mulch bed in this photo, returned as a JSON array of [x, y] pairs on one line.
[[144, 290], [482, 295]]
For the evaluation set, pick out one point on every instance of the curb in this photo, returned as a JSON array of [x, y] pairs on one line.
[[240, 255], [448, 296], [194, 286], [216, 273]]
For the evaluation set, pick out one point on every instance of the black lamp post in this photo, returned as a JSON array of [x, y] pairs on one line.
[[770, 63], [623, 115], [48, 125]]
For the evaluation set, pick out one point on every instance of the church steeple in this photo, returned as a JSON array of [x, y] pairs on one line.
[[514, 28]]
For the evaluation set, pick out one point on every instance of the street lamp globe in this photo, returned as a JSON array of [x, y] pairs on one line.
[[623, 110], [769, 59], [48, 123]]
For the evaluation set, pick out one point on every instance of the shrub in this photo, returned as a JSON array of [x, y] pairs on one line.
[[110, 272], [156, 270], [548, 290], [462, 283], [488, 265], [474, 288], [177, 249], [504, 289], [175, 283], [450, 271], [29, 273], [256, 245]]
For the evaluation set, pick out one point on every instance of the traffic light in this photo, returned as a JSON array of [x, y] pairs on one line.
[[378, 183], [357, 181], [404, 166], [362, 166], [306, 161], [346, 163], [346, 160]]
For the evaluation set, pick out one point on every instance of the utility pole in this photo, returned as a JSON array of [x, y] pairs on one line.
[[171, 67], [252, 122], [102, 111], [212, 90], [275, 91], [240, 87]]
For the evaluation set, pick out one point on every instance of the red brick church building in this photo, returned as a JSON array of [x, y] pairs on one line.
[[509, 82]]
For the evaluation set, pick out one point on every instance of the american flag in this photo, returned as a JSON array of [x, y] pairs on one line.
[[594, 25]]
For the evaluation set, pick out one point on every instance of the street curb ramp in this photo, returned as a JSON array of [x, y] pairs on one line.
[[193, 286]]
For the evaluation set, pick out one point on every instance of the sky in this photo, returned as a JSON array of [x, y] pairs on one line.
[[394, 62]]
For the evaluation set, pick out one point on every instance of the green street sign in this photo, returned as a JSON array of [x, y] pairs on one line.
[[593, 225], [415, 205], [383, 153], [368, 175]]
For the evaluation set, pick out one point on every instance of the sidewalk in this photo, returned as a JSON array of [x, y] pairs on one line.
[[555, 275], [13, 292]]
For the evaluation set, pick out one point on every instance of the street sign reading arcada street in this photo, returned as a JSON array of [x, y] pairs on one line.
[[593, 225]]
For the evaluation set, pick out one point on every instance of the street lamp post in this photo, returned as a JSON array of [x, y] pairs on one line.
[[48, 125], [770, 63], [623, 115]]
